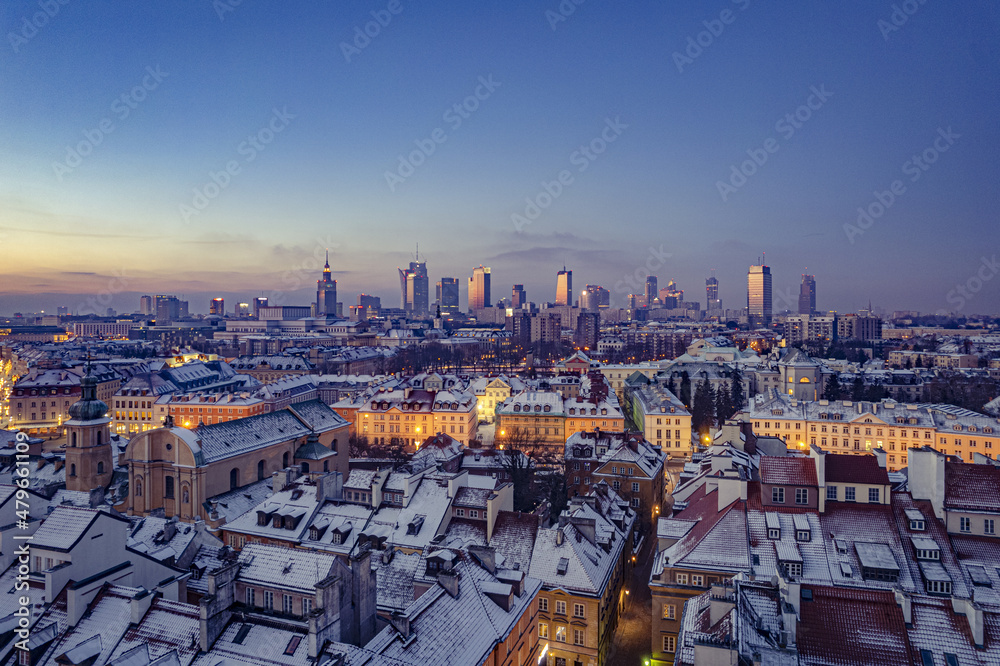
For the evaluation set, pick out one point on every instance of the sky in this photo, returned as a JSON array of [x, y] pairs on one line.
[[217, 148]]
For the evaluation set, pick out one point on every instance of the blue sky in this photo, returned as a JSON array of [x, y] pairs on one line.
[[199, 81]]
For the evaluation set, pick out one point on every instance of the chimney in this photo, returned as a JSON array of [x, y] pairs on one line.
[[449, 581], [560, 535], [96, 497], [486, 557], [906, 605], [139, 604], [400, 623], [973, 612]]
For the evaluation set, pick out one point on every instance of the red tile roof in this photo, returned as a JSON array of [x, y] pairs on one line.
[[852, 627], [847, 468], [971, 486], [787, 470]]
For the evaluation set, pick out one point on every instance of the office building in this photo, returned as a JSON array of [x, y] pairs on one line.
[[564, 287], [414, 287], [759, 295], [518, 297], [146, 305], [167, 308], [712, 300], [807, 295], [258, 303], [447, 295], [217, 307], [479, 288], [652, 292], [594, 298]]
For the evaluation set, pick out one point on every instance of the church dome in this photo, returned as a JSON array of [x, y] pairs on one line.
[[89, 407]]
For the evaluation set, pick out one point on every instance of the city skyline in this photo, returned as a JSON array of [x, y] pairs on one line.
[[219, 164]]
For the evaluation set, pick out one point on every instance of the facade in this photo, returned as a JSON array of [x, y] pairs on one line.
[[447, 295], [412, 414], [759, 296], [217, 307], [664, 420], [843, 426], [810, 327], [413, 285]]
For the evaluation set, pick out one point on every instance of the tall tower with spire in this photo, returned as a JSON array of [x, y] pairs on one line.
[[326, 292], [88, 435]]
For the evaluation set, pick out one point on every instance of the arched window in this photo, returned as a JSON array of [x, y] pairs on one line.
[[138, 487], [333, 445], [168, 487], [234, 479], [100, 468], [72, 439], [99, 433], [260, 470], [72, 470], [305, 468], [326, 465], [284, 460]]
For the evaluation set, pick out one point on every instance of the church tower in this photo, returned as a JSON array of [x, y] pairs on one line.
[[88, 440], [326, 292]]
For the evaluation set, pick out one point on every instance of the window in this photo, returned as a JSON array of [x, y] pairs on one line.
[[460, 513], [234, 479], [873, 495], [988, 526], [473, 513], [560, 607], [250, 596], [682, 578], [831, 492], [543, 604], [168, 487], [268, 600], [802, 496], [286, 604], [635, 486], [774, 533], [669, 643], [543, 630], [260, 470], [965, 524], [635, 502], [794, 569], [669, 612], [577, 637], [849, 492], [578, 610], [698, 581], [561, 634], [778, 495]]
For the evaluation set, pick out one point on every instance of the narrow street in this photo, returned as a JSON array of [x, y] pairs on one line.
[[632, 638]]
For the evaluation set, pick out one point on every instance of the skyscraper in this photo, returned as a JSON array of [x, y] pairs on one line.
[[326, 292], [564, 287], [414, 288], [759, 295], [807, 295], [518, 296], [479, 288], [217, 307], [447, 294], [651, 290], [712, 301], [146, 305], [594, 297]]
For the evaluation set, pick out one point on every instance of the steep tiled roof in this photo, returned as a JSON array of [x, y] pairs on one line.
[[846, 468], [847, 627], [971, 486], [787, 470]]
